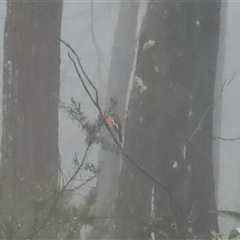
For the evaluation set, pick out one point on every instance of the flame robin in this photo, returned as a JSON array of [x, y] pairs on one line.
[[114, 124]]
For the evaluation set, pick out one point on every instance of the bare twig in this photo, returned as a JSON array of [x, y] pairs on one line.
[[232, 78], [227, 139], [83, 83], [112, 135], [174, 222], [190, 216], [81, 67], [99, 54], [200, 123], [222, 138], [43, 225], [96, 46], [81, 185], [225, 84], [96, 104]]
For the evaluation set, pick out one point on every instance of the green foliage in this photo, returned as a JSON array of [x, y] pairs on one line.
[[162, 227], [216, 235], [84, 212], [47, 211], [233, 234], [91, 128], [47, 214], [191, 235], [231, 214]]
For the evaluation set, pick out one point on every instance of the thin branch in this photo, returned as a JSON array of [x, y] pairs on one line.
[[81, 67], [222, 138], [43, 225], [84, 85], [174, 222], [99, 53], [200, 123], [96, 103], [95, 44], [70, 180], [109, 130], [226, 139], [114, 138], [80, 77], [81, 185], [232, 78], [225, 84]]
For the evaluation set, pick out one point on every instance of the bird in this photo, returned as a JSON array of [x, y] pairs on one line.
[[114, 124]]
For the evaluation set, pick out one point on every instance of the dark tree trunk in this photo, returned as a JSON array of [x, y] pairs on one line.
[[31, 93], [169, 115], [123, 53]]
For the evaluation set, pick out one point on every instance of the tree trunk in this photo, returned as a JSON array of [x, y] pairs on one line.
[[31, 80], [169, 123], [123, 53]]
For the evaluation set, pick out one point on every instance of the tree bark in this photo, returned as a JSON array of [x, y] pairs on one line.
[[169, 115], [123, 53], [31, 81]]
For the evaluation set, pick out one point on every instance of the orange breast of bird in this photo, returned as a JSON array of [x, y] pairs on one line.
[[110, 121]]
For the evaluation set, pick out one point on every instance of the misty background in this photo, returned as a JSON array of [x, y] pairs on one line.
[[89, 27]]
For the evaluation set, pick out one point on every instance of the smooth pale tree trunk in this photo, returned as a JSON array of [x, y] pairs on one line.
[[123, 53], [31, 80], [217, 114], [169, 126]]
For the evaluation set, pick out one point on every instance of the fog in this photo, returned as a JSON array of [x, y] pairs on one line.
[[89, 27], [229, 150]]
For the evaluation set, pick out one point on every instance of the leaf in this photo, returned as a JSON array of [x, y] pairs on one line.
[[234, 233], [231, 214]]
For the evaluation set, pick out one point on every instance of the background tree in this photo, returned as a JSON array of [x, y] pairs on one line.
[[170, 113], [31, 94], [123, 53]]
